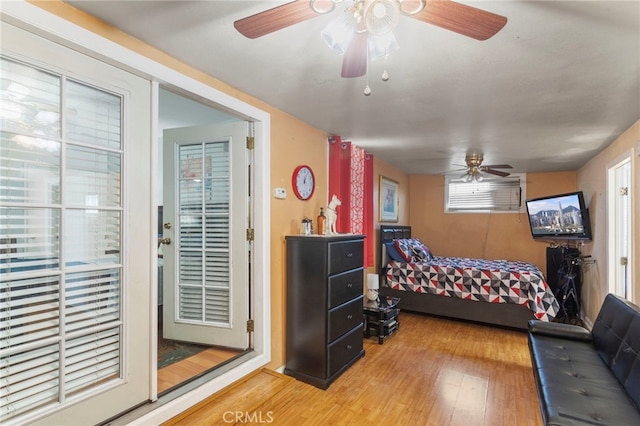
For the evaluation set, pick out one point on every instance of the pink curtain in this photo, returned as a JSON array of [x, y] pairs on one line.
[[351, 180]]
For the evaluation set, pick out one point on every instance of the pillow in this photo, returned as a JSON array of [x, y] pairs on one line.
[[392, 252], [403, 247], [412, 250], [421, 251]]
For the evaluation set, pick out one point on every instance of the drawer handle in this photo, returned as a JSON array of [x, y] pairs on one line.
[[349, 347], [349, 316], [349, 254]]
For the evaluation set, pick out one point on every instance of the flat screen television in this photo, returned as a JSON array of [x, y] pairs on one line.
[[559, 217]]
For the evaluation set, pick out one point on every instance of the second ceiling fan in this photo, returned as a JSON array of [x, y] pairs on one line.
[[474, 168], [366, 27]]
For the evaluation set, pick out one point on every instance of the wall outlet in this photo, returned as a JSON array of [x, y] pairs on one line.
[[280, 193]]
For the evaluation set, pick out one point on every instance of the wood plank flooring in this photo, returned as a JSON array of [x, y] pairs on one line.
[[432, 372], [180, 371]]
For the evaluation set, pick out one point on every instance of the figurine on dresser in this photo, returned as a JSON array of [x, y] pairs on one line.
[[332, 215]]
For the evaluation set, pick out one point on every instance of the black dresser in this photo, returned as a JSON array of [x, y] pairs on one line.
[[324, 306]]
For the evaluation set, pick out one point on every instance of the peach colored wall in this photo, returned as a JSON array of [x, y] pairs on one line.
[[480, 235], [592, 180], [293, 142]]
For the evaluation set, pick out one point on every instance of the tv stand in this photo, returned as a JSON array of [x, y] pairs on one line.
[[565, 280]]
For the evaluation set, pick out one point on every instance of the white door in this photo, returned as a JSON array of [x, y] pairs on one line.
[[75, 345], [620, 217], [206, 217]]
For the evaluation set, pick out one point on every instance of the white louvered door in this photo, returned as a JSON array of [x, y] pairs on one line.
[[206, 204]]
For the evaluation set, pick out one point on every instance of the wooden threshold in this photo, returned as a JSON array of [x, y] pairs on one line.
[[183, 370]]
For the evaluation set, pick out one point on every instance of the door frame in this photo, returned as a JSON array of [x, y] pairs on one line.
[[73, 35], [612, 211]]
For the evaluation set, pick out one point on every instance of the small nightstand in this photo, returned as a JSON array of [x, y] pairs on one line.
[[381, 318]]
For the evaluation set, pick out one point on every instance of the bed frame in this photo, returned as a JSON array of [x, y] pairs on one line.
[[501, 314]]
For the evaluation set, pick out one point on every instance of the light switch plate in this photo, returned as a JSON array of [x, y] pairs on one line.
[[280, 193]]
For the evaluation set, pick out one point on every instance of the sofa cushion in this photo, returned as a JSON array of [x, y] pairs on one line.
[[610, 327], [575, 386], [626, 365]]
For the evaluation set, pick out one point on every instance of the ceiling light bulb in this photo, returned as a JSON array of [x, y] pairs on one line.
[[379, 10], [385, 76], [381, 16], [367, 90]]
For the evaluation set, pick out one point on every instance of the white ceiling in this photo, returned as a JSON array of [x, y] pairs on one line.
[[554, 87]]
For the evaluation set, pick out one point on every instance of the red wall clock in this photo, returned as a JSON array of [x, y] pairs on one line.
[[303, 182]]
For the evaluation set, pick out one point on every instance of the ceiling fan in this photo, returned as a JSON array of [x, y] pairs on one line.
[[366, 28], [474, 169]]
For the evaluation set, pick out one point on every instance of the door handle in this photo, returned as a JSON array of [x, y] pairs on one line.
[[165, 241], [167, 225]]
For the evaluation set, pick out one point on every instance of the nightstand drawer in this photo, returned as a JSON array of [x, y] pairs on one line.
[[345, 349], [344, 287], [345, 255], [344, 318]]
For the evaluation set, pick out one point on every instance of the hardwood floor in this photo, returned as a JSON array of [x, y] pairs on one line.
[[432, 372], [187, 368]]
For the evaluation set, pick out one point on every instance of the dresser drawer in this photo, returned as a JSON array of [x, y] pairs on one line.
[[345, 349], [345, 255], [344, 317], [344, 287]]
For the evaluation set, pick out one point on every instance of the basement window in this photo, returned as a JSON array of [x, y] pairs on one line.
[[502, 195]]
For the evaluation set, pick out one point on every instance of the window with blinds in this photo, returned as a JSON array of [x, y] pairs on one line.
[[204, 210], [60, 238], [489, 195]]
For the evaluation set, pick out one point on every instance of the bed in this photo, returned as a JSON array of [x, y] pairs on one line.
[[499, 292]]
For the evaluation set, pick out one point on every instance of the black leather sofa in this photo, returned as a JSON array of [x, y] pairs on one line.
[[589, 378]]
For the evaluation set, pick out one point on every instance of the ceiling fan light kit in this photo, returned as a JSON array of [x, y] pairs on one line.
[[364, 30], [474, 170]]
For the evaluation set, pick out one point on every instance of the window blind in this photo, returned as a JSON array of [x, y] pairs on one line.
[[204, 218], [60, 303], [492, 194]]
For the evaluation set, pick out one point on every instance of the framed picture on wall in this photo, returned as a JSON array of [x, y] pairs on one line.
[[388, 200]]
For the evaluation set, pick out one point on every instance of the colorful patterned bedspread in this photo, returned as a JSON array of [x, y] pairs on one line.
[[494, 281]]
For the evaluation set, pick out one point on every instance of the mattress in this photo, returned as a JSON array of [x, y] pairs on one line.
[[481, 280]]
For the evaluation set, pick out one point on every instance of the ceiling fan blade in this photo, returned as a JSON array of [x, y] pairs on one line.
[[462, 19], [274, 19], [354, 63], [499, 166], [496, 172]]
